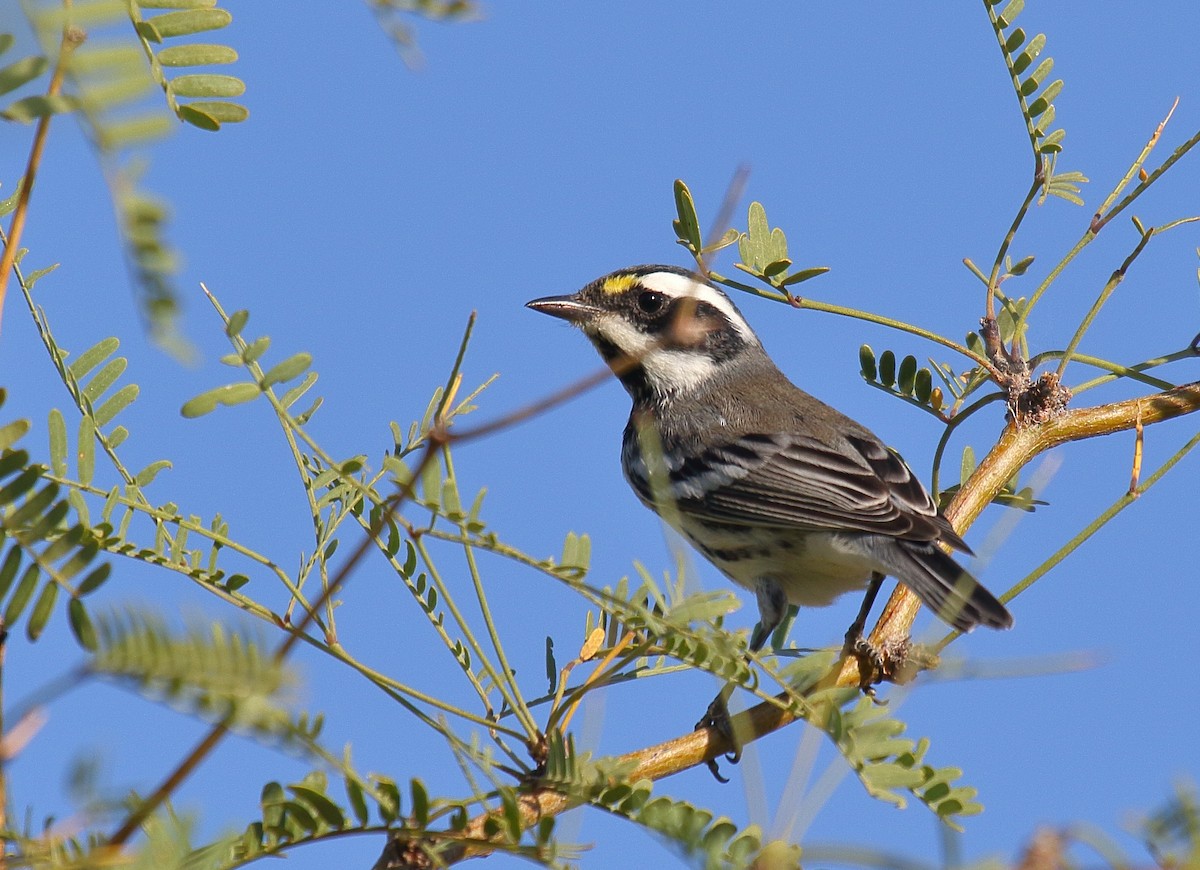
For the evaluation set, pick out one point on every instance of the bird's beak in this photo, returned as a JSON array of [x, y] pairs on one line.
[[568, 308]]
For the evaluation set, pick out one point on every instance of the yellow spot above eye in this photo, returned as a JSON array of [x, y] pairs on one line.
[[619, 284]]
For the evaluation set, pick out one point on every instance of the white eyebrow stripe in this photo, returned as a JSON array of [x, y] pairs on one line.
[[678, 286]]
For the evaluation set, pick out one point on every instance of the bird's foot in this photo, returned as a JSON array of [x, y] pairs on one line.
[[717, 718], [872, 665], [896, 661]]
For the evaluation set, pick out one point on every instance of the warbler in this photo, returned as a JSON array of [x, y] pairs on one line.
[[785, 495]]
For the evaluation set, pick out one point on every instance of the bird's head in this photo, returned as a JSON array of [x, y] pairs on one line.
[[663, 330]]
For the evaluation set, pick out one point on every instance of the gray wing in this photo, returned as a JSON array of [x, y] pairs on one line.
[[799, 481]]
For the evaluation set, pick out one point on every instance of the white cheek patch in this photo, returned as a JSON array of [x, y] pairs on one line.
[[671, 370], [678, 286], [628, 339], [677, 371]]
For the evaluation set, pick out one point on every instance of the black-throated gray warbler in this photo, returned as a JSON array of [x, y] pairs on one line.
[[787, 496]]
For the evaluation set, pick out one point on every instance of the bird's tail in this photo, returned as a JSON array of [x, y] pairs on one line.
[[946, 588]]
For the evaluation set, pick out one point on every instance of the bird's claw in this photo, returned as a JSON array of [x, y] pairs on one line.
[[896, 662], [716, 717], [874, 665]]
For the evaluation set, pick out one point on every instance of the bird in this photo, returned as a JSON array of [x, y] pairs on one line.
[[786, 496]]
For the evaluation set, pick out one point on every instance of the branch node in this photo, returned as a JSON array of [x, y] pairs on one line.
[[403, 853], [1040, 401], [1029, 401], [990, 333]]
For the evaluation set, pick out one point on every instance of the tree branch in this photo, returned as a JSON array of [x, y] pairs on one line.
[[1016, 447]]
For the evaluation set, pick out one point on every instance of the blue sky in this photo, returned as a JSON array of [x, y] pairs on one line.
[[366, 209]]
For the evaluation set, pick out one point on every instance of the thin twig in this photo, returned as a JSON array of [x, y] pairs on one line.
[[993, 281], [1014, 450], [72, 38], [1103, 215], [201, 750]]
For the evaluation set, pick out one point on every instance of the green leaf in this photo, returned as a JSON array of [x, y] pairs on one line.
[[40, 614], [237, 322], [207, 85], [39, 106], [255, 349], [1030, 54], [85, 455], [329, 812], [107, 61], [1010, 13], [887, 368], [58, 443], [298, 815], [93, 356], [8, 569], [511, 814], [119, 401], [81, 624], [48, 522], [687, 226], [431, 482], [967, 468], [1022, 265], [25, 70], [10, 202], [104, 378], [389, 797], [1052, 143], [11, 433], [803, 275], [146, 476], [198, 119], [891, 776], [420, 798], [37, 274], [358, 802], [731, 236], [206, 113], [138, 129], [33, 506], [20, 485], [294, 394], [187, 22], [776, 267], [1042, 103], [271, 801], [908, 374], [866, 362], [68, 540], [94, 580], [230, 394], [290, 368], [21, 596], [197, 54], [761, 246], [923, 386], [177, 4], [1040, 73]]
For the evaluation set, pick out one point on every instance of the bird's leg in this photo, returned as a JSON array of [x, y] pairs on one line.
[[717, 718], [772, 608], [870, 660]]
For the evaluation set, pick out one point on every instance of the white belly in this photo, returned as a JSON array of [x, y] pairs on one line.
[[812, 568]]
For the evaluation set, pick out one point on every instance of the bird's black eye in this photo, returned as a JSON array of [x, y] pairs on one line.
[[651, 302]]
